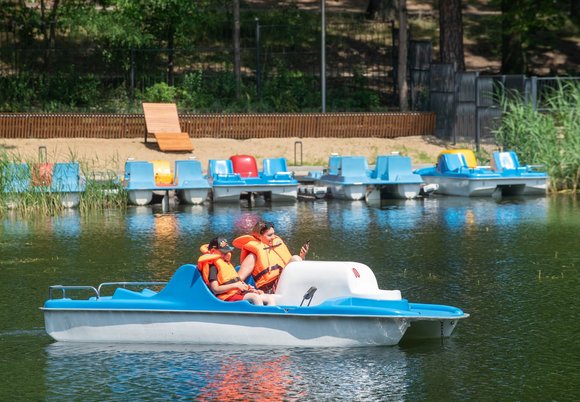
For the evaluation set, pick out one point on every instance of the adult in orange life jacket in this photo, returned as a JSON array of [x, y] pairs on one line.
[[264, 255], [221, 276]]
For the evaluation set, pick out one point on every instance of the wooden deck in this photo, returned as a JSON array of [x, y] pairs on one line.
[[235, 126]]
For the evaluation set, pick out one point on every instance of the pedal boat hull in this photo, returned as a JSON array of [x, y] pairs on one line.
[[341, 314]]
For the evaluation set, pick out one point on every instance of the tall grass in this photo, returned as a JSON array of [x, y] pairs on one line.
[[550, 138], [103, 190]]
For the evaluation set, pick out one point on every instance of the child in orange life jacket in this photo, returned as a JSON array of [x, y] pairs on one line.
[[264, 255], [221, 276]]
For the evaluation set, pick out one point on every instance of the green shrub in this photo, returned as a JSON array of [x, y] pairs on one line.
[[16, 91], [550, 138], [290, 91], [160, 92]]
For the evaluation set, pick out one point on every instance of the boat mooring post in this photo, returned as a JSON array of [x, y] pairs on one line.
[[296, 143], [165, 202], [42, 154]]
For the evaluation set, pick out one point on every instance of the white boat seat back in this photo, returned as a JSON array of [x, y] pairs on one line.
[[139, 175], [332, 279], [334, 164], [271, 166], [219, 167], [501, 161], [354, 166], [451, 163]]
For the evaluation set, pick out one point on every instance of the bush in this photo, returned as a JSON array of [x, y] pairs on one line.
[[16, 91], [551, 138], [290, 91], [160, 92]]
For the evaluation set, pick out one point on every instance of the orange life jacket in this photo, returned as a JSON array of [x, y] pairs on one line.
[[226, 272], [270, 260]]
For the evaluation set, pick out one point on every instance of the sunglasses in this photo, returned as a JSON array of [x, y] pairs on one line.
[[265, 226]]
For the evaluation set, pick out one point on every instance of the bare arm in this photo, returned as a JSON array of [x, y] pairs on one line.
[[247, 266], [219, 289], [303, 251]]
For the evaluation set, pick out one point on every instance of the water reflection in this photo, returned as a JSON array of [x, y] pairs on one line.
[[459, 212], [14, 226], [354, 215], [394, 215], [67, 224], [238, 377], [192, 220], [232, 220], [139, 221], [105, 371], [399, 215]]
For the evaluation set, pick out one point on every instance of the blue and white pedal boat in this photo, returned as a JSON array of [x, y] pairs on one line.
[[456, 173], [349, 178], [319, 304], [238, 177], [142, 179], [62, 178]]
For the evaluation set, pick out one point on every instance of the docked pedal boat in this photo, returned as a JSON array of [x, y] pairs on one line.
[[457, 174], [238, 177], [143, 179], [349, 178], [318, 304]]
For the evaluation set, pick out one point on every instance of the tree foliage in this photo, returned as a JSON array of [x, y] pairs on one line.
[[521, 22], [81, 53]]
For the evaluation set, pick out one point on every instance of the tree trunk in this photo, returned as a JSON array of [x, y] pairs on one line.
[[451, 34], [373, 7], [512, 53], [48, 28], [237, 58], [575, 11], [403, 50], [171, 58]]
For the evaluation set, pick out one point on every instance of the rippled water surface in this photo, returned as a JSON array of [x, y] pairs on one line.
[[512, 264]]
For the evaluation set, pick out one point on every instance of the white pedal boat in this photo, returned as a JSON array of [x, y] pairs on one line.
[[319, 304]]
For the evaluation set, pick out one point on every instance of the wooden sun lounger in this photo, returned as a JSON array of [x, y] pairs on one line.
[[162, 121]]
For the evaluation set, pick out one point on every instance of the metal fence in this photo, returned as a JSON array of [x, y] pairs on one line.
[[467, 104], [357, 53]]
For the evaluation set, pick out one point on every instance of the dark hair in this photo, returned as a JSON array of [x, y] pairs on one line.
[[262, 227], [220, 243]]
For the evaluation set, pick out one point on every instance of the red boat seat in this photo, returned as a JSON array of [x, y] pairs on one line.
[[245, 165], [41, 174]]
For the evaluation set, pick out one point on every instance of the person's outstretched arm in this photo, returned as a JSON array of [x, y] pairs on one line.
[[247, 266]]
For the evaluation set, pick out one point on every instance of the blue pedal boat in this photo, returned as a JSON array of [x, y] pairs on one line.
[[456, 173], [63, 178], [318, 304], [143, 178], [349, 178], [238, 177]]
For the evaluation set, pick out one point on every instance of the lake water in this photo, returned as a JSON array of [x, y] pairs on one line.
[[512, 264]]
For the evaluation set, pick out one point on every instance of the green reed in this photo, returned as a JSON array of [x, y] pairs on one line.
[[549, 137], [103, 189]]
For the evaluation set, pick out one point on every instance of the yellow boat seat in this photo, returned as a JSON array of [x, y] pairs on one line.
[[163, 174]]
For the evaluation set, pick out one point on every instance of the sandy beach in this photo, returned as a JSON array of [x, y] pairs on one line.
[[111, 154]]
